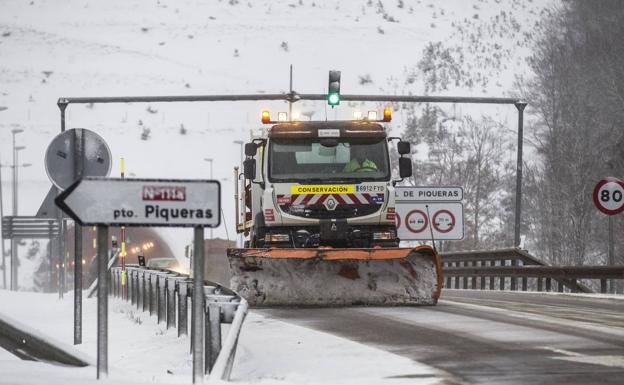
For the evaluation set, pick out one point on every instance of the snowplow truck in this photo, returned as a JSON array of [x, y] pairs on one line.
[[316, 205]]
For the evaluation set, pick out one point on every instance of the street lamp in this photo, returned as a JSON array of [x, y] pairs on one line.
[[15, 166], [240, 142], [210, 160]]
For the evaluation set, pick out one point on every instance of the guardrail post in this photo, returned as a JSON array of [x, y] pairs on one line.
[[449, 279], [560, 286], [483, 279], [465, 278], [473, 284], [603, 286], [171, 302], [140, 289], [456, 278], [132, 286], [213, 334], [162, 298], [513, 285], [183, 293], [524, 282], [492, 280], [548, 284], [153, 295], [539, 284], [146, 290], [501, 285]]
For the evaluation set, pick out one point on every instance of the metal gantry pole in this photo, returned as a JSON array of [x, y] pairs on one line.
[[60, 246], [78, 169], [198, 304], [102, 301], [518, 211]]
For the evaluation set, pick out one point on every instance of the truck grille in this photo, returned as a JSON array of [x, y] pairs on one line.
[[342, 211]]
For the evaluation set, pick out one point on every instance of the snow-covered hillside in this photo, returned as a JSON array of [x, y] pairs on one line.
[[50, 49]]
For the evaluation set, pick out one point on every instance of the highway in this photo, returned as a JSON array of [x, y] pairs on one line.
[[488, 337]]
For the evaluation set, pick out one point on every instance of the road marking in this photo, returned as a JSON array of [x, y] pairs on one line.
[[613, 330], [606, 360]]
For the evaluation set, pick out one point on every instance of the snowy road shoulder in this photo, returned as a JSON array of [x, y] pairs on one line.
[[276, 352], [141, 351]]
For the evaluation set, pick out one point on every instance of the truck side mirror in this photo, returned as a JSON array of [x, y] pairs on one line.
[[249, 168], [250, 149], [405, 167], [403, 148]]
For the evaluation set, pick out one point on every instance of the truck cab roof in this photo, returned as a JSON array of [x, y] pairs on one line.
[[315, 129]]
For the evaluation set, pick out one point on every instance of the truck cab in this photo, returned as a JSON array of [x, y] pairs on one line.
[[324, 183]]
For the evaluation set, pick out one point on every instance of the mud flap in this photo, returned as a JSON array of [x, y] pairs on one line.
[[336, 277]]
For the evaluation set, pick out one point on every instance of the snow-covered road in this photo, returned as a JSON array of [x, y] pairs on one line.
[[485, 337]]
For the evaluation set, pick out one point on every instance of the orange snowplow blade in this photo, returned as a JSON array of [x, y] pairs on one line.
[[337, 277]]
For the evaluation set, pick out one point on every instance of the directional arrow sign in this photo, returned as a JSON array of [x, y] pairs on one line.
[[142, 202]]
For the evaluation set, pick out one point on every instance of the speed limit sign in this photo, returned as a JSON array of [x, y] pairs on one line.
[[609, 195]]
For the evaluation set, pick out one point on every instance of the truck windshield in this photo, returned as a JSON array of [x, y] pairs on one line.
[[319, 160]]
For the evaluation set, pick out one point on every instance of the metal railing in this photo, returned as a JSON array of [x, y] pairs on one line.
[[501, 270], [166, 294]]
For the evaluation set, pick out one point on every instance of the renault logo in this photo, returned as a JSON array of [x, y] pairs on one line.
[[330, 204]]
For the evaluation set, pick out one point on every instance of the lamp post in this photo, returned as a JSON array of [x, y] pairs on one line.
[[242, 207], [210, 161], [15, 131]]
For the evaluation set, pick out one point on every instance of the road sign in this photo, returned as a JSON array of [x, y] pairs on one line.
[[428, 194], [445, 219], [48, 207], [609, 195], [60, 162], [143, 202]]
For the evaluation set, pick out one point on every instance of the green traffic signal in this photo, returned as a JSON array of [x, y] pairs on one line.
[[333, 88], [333, 99]]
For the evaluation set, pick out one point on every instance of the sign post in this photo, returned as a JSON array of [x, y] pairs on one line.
[[608, 197], [104, 202], [67, 161], [102, 301]]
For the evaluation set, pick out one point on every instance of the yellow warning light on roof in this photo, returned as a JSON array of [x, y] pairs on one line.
[[266, 117], [387, 114]]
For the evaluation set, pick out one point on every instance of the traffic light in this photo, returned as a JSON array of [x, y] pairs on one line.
[[333, 88]]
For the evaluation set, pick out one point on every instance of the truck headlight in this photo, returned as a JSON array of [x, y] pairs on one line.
[[383, 235], [277, 238]]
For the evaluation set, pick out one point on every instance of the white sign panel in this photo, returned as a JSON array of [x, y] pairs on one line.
[[445, 219], [429, 194], [143, 202]]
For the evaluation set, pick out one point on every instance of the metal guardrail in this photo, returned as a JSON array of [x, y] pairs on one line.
[[166, 294], [485, 268]]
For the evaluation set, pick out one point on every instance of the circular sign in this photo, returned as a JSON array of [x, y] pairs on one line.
[[60, 157], [609, 195], [397, 219], [416, 221], [443, 221]]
